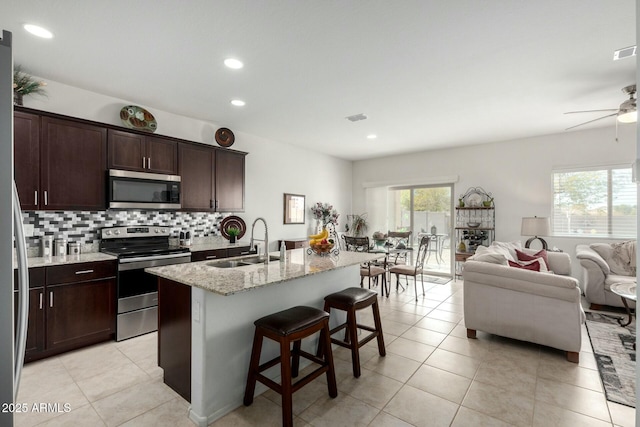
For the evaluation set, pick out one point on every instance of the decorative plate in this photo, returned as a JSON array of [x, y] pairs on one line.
[[224, 137], [232, 221], [135, 117]]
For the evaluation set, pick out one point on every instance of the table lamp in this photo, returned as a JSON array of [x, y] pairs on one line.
[[535, 226]]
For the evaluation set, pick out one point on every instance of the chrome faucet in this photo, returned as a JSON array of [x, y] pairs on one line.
[[265, 240]]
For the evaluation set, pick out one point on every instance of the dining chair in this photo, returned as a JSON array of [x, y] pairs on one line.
[[371, 270], [400, 243], [416, 269]]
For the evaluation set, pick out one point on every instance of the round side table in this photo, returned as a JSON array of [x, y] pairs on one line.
[[626, 291]]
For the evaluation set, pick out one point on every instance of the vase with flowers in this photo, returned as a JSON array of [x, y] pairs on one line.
[[24, 84], [325, 214]]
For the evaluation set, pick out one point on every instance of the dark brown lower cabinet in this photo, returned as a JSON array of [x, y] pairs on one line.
[[174, 335], [79, 314], [70, 306], [35, 327], [214, 254]]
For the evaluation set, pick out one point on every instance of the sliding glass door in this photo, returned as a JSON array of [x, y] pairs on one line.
[[426, 212]]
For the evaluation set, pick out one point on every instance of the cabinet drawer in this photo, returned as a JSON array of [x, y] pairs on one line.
[[80, 272], [208, 255], [242, 250]]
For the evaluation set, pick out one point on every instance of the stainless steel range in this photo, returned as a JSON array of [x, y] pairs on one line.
[[137, 248]]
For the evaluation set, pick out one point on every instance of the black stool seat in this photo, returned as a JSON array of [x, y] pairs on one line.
[[352, 300], [286, 327], [287, 322], [351, 296]]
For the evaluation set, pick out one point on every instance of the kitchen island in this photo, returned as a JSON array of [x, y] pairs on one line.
[[206, 315]]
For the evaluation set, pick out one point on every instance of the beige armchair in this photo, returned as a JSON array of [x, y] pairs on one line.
[[599, 273], [538, 307]]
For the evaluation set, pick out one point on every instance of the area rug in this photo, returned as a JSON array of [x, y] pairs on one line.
[[438, 280], [613, 349]]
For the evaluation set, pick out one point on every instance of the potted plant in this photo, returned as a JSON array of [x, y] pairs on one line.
[[357, 224], [24, 84], [233, 233]]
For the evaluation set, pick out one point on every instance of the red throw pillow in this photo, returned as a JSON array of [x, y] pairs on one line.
[[542, 253], [526, 265]]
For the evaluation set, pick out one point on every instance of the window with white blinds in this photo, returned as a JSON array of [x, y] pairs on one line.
[[599, 202]]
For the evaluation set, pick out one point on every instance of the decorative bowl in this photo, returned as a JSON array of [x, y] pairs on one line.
[[135, 117], [473, 224], [322, 248]]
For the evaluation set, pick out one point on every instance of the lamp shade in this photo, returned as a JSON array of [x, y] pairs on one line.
[[628, 117], [535, 226]]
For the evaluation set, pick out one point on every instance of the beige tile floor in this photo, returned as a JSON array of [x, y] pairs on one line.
[[432, 376]]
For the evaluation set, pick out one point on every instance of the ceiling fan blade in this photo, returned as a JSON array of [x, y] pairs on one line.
[[591, 111], [594, 120]]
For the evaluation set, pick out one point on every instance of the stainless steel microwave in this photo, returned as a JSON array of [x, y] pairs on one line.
[[142, 190]]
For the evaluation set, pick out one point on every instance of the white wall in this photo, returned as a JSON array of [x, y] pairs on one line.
[[272, 168], [518, 173]]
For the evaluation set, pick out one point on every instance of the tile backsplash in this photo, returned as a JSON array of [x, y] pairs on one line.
[[84, 226]]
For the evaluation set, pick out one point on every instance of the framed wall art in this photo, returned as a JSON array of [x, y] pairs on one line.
[[293, 208]]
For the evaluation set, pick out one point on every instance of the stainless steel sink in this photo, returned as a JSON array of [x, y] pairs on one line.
[[240, 262]]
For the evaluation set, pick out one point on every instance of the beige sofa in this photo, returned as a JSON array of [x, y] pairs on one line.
[[600, 273], [542, 308]]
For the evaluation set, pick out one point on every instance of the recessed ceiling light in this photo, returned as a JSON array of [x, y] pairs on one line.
[[372, 136], [38, 31], [233, 63], [238, 102]]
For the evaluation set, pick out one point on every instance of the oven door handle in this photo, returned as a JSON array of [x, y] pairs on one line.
[[155, 257]]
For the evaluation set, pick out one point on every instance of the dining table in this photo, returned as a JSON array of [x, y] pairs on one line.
[[437, 240]]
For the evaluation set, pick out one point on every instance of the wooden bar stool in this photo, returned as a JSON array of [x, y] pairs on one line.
[[285, 327], [352, 300]]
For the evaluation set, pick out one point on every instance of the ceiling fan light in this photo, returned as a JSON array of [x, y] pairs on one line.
[[628, 117]]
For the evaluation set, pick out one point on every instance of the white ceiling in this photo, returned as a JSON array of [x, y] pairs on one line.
[[428, 73]]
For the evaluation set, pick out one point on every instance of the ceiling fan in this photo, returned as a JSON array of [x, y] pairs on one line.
[[627, 112]]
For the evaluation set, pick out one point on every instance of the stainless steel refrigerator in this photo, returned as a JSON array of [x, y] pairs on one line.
[[12, 337]]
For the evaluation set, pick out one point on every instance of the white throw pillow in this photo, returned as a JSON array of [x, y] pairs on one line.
[[490, 255], [508, 249], [493, 258]]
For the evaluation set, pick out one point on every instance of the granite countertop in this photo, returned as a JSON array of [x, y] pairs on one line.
[[229, 281], [88, 257]]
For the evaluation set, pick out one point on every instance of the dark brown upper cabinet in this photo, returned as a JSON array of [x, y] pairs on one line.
[[196, 171], [59, 164], [26, 158], [212, 179], [142, 153], [229, 182], [73, 161]]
